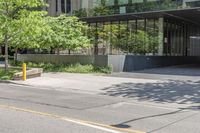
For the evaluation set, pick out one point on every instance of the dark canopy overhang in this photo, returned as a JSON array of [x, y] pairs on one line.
[[191, 15]]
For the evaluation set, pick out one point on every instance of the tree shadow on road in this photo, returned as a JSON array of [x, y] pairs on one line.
[[172, 91], [125, 123]]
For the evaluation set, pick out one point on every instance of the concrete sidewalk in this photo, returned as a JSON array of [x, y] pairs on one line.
[[171, 93], [88, 83]]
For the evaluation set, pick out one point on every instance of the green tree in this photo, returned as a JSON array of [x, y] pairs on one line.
[[16, 18], [106, 35], [68, 33], [101, 10], [137, 43], [153, 44], [142, 42], [31, 35], [83, 12]]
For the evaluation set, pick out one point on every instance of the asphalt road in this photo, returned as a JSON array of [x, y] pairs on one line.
[[26, 109], [13, 121]]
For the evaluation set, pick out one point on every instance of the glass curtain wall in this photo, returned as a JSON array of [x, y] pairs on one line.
[[65, 6], [138, 37], [194, 40], [142, 37], [180, 38]]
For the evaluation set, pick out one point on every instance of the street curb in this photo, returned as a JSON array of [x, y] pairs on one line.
[[5, 81], [14, 83]]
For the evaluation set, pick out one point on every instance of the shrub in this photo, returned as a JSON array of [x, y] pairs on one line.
[[9, 74], [71, 68]]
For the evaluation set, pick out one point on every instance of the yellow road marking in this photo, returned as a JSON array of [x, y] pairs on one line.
[[69, 119]]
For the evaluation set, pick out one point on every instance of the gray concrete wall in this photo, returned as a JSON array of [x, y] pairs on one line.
[[56, 59], [101, 60], [134, 63], [98, 60], [129, 63], [119, 63]]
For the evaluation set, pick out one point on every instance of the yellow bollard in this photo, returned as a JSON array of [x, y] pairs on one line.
[[24, 72]]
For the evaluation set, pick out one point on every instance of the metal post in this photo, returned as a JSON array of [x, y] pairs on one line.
[[24, 72]]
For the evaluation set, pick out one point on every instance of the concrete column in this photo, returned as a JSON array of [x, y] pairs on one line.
[[79, 4], [75, 5], [52, 7], [65, 4], [90, 4], [85, 4], [160, 36], [59, 7]]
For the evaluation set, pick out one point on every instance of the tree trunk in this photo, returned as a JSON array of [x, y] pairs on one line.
[[15, 56], [96, 50], [1, 52], [52, 51], [58, 51], [69, 51], [6, 53]]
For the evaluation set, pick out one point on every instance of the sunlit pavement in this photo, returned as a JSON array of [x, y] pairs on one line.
[[152, 102], [36, 105]]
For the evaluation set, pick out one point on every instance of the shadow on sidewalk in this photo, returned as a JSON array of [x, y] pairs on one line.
[[173, 91]]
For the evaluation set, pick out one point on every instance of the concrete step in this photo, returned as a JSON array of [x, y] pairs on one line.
[[31, 73]]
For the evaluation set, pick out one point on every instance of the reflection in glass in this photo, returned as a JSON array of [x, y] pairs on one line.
[[98, 7]]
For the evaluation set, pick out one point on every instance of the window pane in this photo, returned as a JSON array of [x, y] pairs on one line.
[[122, 10], [110, 2], [121, 2], [137, 1]]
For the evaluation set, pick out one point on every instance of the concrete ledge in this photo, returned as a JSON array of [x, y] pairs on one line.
[[31, 73]]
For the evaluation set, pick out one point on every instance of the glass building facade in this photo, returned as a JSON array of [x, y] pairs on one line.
[[139, 27], [88, 8], [110, 7]]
